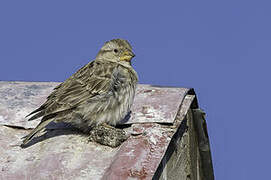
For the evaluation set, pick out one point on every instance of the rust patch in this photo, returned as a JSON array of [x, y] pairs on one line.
[[139, 156]]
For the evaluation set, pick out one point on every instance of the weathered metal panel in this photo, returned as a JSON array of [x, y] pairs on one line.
[[152, 104], [17, 99], [140, 156], [156, 104], [67, 154], [63, 155]]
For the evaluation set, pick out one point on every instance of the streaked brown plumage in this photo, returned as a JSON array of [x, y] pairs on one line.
[[100, 92]]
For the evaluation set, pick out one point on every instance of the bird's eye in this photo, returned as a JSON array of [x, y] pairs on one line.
[[116, 51]]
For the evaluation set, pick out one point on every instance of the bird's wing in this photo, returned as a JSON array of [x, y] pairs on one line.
[[94, 79]]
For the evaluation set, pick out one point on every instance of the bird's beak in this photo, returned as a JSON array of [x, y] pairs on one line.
[[127, 56]]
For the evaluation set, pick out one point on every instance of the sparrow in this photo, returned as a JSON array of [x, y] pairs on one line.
[[101, 92]]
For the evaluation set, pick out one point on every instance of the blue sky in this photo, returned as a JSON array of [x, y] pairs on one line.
[[220, 48]]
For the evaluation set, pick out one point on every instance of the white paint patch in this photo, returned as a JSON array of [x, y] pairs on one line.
[[2, 119], [21, 113], [150, 112], [152, 139], [130, 153]]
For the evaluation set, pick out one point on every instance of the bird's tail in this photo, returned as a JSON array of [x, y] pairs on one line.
[[40, 127]]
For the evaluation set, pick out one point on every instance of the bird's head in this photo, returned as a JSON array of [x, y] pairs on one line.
[[116, 50]]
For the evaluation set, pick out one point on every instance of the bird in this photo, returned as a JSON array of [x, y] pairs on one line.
[[101, 92]]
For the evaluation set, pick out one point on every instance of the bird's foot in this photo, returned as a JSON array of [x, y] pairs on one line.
[[108, 135]]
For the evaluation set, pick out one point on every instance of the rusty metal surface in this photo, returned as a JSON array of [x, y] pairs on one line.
[[62, 156], [156, 104], [67, 154], [17, 99], [140, 155], [152, 104]]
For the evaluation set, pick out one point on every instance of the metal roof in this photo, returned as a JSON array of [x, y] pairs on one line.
[[63, 153]]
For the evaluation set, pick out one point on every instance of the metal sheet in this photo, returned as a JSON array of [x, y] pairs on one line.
[[63, 154], [156, 104], [67, 154], [17, 99], [152, 104]]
